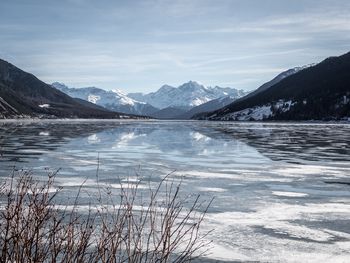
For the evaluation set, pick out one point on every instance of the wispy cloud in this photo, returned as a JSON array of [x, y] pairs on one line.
[[140, 45], [336, 20]]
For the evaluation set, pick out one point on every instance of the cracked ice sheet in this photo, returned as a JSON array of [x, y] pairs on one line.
[[282, 239]]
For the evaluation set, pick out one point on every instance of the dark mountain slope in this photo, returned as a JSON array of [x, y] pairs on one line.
[[22, 94], [207, 107], [276, 79], [169, 113], [113, 100], [319, 92]]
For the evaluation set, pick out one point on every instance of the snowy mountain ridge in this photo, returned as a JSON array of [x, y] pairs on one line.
[[22, 95], [313, 92], [188, 95], [184, 97], [96, 95], [115, 100]]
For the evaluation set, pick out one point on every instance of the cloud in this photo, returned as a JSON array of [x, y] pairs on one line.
[[144, 44], [333, 21]]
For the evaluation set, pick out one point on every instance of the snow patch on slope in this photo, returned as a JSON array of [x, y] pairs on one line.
[[44, 106], [124, 99], [258, 113], [93, 98]]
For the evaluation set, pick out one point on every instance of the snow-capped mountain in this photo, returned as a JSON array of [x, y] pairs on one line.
[[167, 102], [209, 106], [316, 92], [23, 95], [114, 100], [188, 95], [257, 113]]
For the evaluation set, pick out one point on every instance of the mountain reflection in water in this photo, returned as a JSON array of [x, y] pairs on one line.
[[281, 189]]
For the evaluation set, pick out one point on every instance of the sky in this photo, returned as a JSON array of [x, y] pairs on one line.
[[138, 46]]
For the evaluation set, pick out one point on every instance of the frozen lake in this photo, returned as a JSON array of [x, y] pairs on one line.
[[282, 190]]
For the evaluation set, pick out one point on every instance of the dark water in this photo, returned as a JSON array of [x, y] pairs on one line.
[[282, 191]]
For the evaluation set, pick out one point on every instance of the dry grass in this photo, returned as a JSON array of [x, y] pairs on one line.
[[157, 225]]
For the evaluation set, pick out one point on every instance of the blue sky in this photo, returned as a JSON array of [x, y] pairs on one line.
[[141, 45]]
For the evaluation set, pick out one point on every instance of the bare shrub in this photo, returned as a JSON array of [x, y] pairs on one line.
[[156, 225]]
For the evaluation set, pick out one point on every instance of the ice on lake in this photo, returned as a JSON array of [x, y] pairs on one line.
[[282, 190]]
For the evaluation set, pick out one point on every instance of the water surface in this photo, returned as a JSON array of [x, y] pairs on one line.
[[282, 190]]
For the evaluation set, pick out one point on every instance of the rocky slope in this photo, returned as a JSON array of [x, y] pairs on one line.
[[319, 92], [114, 100], [24, 95]]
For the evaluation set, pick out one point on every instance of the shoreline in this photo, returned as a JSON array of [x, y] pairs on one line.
[[290, 122]]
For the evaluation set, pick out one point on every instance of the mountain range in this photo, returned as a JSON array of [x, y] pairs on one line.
[[24, 95], [114, 100], [166, 103], [313, 92], [316, 92], [188, 95]]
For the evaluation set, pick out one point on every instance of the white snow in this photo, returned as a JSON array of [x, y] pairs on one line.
[[45, 133], [93, 139], [211, 189], [289, 194], [256, 113], [123, 98], [199, 136], [189, 94], [112, 99], [280, 219], [93, 98], [259, 112], [199, 101], [44, 105]]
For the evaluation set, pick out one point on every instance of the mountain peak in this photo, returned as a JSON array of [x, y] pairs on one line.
[[192, 86], [23, 94], [194, 82], [115, 100], [119, 92], [59, 84], [187, 95], [312, 92], [165, 88]]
